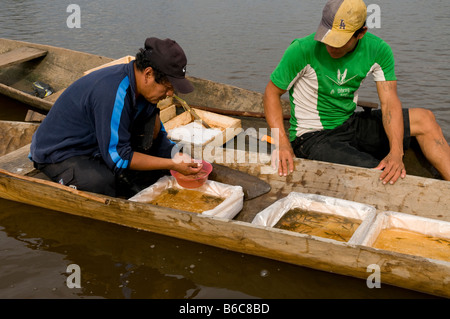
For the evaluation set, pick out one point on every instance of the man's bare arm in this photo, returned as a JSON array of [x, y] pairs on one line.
[[391, 108], [284, 155], [180, 163]]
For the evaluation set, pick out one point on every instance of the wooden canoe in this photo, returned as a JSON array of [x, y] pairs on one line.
[[413, 195], [58, 67]]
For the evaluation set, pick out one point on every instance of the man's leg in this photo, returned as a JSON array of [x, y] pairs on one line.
[[334, 146], [342, 153], [431, 139], [85, 173]]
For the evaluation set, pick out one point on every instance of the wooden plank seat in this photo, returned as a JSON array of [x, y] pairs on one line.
[[17, 161], [20, 55]]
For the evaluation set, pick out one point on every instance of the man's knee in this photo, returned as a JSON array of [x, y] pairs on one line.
[[422, 121], [92, 175], [97, 183]]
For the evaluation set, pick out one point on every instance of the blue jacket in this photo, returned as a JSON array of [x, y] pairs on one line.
[[93, 117]]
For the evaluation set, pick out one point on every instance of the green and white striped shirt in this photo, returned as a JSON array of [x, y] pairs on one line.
[[323, 91]]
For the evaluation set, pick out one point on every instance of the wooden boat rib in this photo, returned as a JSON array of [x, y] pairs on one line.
[[413, 195]]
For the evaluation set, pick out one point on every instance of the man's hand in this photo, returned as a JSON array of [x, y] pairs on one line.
[[185, 165], [283, 159], [188, 168], [393, 168]]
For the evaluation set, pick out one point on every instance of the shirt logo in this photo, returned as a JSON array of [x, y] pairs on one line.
[[341, 78]]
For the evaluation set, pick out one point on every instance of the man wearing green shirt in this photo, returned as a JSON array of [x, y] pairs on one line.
[[323, 73]]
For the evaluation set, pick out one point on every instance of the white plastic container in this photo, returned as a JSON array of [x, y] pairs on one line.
[[321, 204], [421, 225], [230, 207]]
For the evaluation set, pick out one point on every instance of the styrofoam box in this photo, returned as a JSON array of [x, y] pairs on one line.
[[194, 133], [322, 204], [230, 207], [389, 219]]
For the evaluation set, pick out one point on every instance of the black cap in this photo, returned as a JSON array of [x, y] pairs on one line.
[[169, 58]]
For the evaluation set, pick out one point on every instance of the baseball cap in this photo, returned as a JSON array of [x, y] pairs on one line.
[[340, 20], [167, 56]]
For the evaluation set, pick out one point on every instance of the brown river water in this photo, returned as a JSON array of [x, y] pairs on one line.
[[233, 42]]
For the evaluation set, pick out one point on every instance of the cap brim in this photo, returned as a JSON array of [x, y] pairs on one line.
[[183, 86], [321, 32], [334, 38]]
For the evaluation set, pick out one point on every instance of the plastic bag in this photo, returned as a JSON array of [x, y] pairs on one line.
[[322, 204], [230, 207], [388, 219]]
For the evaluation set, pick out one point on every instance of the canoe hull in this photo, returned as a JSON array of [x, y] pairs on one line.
[[401, 270], [413, 195]]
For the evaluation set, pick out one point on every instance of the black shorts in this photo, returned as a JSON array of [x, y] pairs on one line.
[[360, 141]]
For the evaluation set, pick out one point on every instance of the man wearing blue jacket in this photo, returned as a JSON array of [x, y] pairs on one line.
[[104, 134]]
